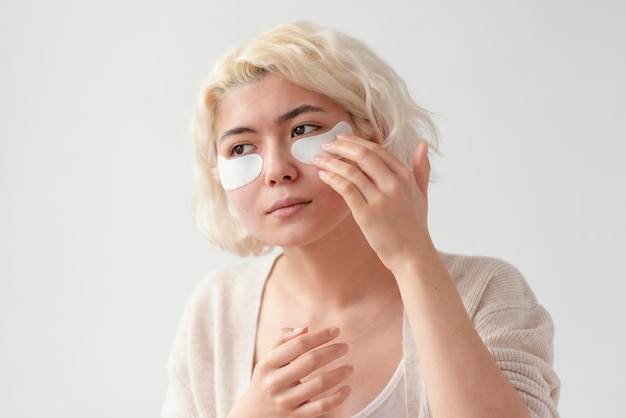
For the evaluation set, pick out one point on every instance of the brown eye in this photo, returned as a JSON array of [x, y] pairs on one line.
[[240, 149], [302, 130]]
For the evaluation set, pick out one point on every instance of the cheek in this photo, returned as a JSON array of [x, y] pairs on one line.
[[241, 202], [328, 199], [244, 206]]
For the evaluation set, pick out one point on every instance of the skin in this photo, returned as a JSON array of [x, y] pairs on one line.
[[357, 251]]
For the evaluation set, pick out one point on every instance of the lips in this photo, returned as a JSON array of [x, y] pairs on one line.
[[288, 203]]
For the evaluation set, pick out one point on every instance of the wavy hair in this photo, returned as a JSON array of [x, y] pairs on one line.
[[325, 62]]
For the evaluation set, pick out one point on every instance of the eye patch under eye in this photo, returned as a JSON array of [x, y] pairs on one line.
[[306, 148], [237, 172]]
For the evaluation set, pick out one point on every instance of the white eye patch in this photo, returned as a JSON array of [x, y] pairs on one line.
[[306, 148], [237, 172]]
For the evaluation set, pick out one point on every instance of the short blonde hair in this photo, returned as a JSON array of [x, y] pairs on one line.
[[320, 60]]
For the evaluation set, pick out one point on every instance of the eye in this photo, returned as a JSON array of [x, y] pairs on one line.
[[240, 149], [303, 129]]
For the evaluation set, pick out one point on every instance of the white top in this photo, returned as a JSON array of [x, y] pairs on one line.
[[391, 402]]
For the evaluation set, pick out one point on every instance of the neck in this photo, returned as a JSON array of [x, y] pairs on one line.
[[335, 273]]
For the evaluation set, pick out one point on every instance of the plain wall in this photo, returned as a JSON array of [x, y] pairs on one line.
[[98, 248]]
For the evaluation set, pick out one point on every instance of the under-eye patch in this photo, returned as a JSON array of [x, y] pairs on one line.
[[237, 172], [306, 148]]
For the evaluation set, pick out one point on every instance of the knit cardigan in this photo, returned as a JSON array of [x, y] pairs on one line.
[[210, 365]]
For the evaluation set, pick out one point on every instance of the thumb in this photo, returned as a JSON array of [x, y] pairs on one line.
[[421, 167]]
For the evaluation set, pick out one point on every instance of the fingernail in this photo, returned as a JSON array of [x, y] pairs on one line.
[[297, 330], [333, 331], [326, 145], [341, 135]]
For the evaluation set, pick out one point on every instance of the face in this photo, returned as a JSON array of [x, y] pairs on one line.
[[286, 204]]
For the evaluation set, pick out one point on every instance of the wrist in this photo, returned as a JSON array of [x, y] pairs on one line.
[[418, 262]]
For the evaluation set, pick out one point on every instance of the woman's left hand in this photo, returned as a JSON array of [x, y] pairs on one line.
[[387, 199]]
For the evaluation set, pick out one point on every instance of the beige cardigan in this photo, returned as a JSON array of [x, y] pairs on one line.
[[211, 361]]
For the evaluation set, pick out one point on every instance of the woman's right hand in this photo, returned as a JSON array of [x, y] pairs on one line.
[[282, 385]]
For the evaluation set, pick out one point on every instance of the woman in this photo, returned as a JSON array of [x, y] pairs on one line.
[[307, 141]]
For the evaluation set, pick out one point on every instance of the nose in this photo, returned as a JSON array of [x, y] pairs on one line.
[[279, 166]]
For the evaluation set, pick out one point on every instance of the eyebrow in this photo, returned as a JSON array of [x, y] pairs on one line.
[[296, 112], [279, 120], [236, 131]]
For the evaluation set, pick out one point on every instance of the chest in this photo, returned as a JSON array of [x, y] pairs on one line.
[[374, 335]]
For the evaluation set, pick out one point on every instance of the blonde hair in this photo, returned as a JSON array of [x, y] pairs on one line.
[[320, 60]]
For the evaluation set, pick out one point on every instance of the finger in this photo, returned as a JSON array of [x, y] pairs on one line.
[[288, 334], [366, 166], [363, 152], [315, 386], [350, 182], [291, 350], [313, 360], [370, 182], [421, 167], [324, 404]]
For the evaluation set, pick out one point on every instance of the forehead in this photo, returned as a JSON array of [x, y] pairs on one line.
[[265, 100]]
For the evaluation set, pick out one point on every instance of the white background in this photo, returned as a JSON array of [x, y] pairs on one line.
[[98, 248]]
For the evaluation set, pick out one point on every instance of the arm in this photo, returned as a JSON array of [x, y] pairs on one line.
[[462, 379], [389, 203]]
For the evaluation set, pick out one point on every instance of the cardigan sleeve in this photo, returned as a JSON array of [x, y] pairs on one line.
[[519, 334], [190, 392], [210, 364], [179, 399]]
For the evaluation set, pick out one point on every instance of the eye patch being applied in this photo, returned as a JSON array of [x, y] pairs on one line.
[[237, 172], [306, 148]]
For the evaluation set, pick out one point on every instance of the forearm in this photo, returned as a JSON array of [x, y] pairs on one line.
[[461, 377]]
